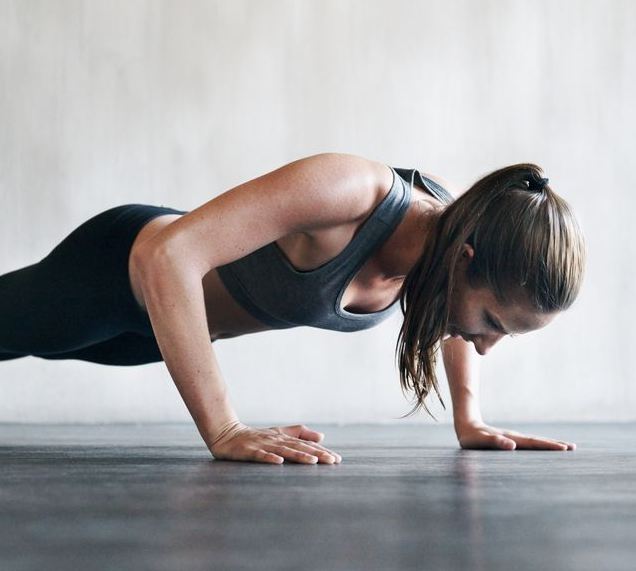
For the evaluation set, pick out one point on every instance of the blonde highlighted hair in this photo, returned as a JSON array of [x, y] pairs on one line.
[[528, 245]]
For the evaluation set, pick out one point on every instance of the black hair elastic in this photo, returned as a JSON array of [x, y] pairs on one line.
[[538, 186]]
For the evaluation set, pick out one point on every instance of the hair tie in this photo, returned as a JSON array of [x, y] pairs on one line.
[[539, 185]]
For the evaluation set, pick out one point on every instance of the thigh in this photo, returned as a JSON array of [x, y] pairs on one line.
[[48, 307], [7, 356], [125, 349]]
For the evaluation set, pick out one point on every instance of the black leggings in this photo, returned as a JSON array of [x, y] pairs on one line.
[[77, 303]]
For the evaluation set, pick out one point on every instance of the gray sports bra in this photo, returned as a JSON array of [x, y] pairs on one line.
[[270, 288]]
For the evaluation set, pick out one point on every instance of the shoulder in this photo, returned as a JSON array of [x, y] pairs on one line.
[[362, 171], [352, 184]]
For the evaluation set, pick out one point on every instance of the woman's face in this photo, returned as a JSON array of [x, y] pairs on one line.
[[476, 316]]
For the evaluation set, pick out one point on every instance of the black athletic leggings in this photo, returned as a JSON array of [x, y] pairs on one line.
[[77, 303]]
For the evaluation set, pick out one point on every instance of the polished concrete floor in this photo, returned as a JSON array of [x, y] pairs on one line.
[[151, 497]]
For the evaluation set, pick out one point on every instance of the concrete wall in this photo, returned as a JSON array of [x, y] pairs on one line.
[[174, 102]]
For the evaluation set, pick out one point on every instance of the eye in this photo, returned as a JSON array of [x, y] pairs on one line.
[[493, 325]]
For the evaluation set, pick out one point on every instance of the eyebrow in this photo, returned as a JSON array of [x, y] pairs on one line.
[[497, 323]]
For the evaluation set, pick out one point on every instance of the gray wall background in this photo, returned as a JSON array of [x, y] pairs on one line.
[[174, 102]]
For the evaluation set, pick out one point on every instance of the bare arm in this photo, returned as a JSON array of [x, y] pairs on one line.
[[173, 295], [318, 191], [461, 363]]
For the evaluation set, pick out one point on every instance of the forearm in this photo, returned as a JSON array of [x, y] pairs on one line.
[[461, 363], [174, 299]]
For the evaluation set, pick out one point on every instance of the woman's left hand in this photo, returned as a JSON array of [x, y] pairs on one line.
[[478, 435]]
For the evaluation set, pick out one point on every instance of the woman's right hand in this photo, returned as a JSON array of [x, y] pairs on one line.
[[274, 445]]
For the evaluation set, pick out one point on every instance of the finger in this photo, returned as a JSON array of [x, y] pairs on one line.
[[539, 443], [550, 444], [570, 445], [285, 439], [308, 434], [318, 450], [301, 431], [315, 446], [485, 440], [295, 455], [337, 456], [269, 457], [497, 441], [505, 443]]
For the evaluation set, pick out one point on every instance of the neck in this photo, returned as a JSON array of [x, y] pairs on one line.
[[409, 240]]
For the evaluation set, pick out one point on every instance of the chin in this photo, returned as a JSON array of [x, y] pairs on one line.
[[451, 331]]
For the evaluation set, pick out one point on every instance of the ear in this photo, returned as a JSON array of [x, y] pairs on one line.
[[467, 252]]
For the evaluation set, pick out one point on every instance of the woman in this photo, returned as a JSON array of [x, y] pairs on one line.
[[332, 241]]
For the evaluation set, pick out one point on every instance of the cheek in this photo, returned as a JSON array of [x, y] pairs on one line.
[[464, 318], [457, 313]]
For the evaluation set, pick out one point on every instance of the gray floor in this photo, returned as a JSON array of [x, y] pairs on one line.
[[151, 497]]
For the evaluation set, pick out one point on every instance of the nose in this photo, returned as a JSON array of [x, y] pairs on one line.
[[483, 344]]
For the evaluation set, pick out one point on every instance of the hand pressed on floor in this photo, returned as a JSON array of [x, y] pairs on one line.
[[274, 445], [478, 435]]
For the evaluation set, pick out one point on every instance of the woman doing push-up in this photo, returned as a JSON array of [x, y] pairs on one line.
[[334, 241]]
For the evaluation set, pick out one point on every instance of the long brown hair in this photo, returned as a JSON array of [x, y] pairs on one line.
[[527, 243]]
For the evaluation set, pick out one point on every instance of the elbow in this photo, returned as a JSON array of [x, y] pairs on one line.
[[144, 269], [145, 260], [154, 256], [159, 267]]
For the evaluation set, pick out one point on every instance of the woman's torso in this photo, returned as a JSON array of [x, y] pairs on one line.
[[367, 292]]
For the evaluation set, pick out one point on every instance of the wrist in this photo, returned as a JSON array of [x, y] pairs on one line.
[[214, 429], [223, 430], [220, 418], [463, 422]]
